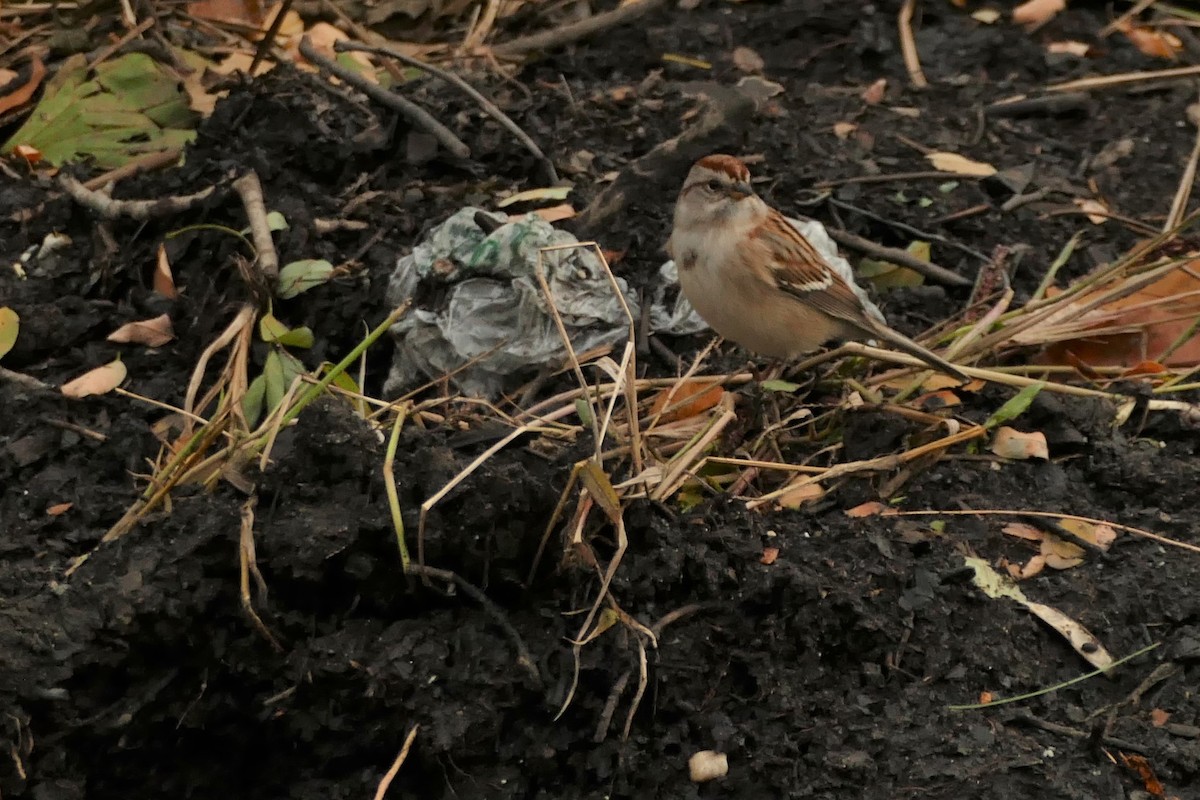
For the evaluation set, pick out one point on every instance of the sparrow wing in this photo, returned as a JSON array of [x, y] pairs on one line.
[[800, 271]]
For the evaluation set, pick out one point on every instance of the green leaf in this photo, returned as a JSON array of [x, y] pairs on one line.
[[301, 337], [131, 106], [274, 387], [779, 386], [1016, 406], [276, 221], [270, 329], [583, 410], [252, 401], [10, 325], [300, 276]]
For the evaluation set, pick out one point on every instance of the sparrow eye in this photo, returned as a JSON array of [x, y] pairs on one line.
[[713, 185]]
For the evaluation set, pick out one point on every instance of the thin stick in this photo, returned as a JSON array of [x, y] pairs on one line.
[[1119, 22], [919, 175], [1124, 79], [1184, 192], [249, 188], [975, 372], [524, 658], [908, 46], [897, 256], [1057, 686], [994, 512], [395, 768], [408, 109], [565, 34], [490, 108]]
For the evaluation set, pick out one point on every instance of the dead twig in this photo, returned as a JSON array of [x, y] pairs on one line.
[[1125, 79], [248, 564], [919, 175], [386, 781], [489, 108], [524, 658], [405, 107], [106, 207], [250, 190], [143, 163], [928, 236], [897, 256], [1184, 192], [908, 45], [566, 34], [260, 52]]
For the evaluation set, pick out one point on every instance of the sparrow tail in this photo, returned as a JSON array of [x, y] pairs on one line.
[[907, 345]]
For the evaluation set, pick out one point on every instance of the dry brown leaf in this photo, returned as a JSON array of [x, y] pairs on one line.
[[100, 380], [1140, 765], [1070, 47], [769, 554], [1037, 12], [1032, 567], [746, 60], [1100, 535], [1022, 531], [1156, 317], [164, 281], [870, 508], [556, 213], [932, 401], [1084, 642], [873, 94], [1061, 554], [799, 495], [689, 399], [1011, 443], [58, 509], [151, 332], [959, 165], [235, 12], [1096, 211], [1151, 41], [842, 130]]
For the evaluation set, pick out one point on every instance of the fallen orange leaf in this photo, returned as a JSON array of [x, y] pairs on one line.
[[769, 554], [21, 95], [1011, 443], [688, 400], [870, 508], [58, 509], [1151, 42], [1157, 316], [1158, 717]]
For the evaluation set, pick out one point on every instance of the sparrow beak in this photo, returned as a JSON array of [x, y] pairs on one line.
[[740, 190]]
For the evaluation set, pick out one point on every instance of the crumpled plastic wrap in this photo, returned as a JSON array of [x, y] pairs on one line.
[[488, 307]]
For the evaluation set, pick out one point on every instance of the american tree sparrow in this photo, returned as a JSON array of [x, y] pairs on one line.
[[757, 281]]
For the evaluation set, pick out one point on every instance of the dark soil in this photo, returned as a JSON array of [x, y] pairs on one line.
[[827, 674]]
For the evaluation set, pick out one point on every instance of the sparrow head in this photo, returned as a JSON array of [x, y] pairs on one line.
[[714, 189]]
